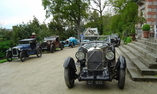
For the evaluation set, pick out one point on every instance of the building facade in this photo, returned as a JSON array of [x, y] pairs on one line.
[[149, 10]]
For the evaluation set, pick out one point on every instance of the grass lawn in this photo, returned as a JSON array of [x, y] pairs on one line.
[[3, 60]]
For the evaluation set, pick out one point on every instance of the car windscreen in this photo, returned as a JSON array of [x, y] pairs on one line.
[[96, 38], [23, 42], [49, 38]]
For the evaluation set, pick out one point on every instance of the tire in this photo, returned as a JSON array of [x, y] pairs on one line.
[[72, 45], [61, 46], [39, 52], [68, 77], [9, 56], [23, 56], [52, 48], [121, 80]]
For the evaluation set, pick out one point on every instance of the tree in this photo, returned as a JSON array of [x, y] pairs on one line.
[[140, 19], [126, 14], [100, 8], [73, 11]]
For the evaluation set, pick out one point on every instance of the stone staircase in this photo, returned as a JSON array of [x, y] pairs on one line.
[[141, 59]]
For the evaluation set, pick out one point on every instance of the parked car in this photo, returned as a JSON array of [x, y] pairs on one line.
[[25, 48], [51, 43], [96, 63], [71, 42], [115, 40]]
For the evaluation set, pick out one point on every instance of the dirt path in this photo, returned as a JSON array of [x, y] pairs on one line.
[[45, 76]]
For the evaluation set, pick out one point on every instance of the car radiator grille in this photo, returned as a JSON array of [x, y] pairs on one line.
[[95, 60], [14, 52]]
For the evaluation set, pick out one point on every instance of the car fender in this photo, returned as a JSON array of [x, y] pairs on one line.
[[69, 62], [121, 63]]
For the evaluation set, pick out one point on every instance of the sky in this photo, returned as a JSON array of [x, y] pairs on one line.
[[14, 12]]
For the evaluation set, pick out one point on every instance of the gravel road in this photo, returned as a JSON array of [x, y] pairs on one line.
[[45, 76]]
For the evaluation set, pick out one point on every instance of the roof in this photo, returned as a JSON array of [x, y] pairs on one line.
[[28, 39]]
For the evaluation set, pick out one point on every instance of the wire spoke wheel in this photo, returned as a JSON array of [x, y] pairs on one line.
[[39, 52], [9, 56], [23, 56]]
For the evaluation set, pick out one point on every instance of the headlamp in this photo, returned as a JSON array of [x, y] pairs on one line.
[[80, 55], [109, 55]]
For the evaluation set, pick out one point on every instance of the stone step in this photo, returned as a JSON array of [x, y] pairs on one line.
[[143, 70], [148, 62], [132, 71], [149, 43], [144, 51], [147, 46], [136, 76]]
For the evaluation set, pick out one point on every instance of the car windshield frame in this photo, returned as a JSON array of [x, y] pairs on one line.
[[96, 39], [24, 42], [49, 38]]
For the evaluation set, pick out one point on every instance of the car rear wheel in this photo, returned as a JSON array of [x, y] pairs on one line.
[[23, 56], [61, 46], [121, 80], [9, 56], [39, 52], [72, 44], [69, 81], [52, 48]]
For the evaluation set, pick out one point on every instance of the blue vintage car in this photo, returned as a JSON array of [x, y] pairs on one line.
[[71, 42], [25, 48]]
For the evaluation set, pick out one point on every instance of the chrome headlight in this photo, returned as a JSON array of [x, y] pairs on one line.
[[9, 49], [80, 55], [109, 55], [19, 48], [48, 42]]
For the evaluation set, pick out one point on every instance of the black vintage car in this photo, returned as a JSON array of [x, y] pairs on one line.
[[96, 63], [115, 40], [51, 43], [25, 48]]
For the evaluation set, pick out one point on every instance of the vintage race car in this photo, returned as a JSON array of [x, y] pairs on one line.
[[95, 63], [71, 42], [25, 48], [51, 43]]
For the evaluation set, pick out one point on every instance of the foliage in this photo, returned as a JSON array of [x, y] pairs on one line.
[[4, 45], [73, 11], [4, 60], [140, 19], [127, 40], [146, 27], [124, 20], [101, 5], [95, 22]]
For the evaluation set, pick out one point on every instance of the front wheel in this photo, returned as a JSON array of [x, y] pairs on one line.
[[69, 81], [61, 46], [121, 80], [52, 48], [39, 52], [23, 56], [72, 44], [9, 56]]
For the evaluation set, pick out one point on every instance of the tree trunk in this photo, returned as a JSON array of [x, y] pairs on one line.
[[78, 29]]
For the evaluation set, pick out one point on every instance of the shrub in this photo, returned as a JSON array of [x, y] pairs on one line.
[[146, 27], [4, 45], [127, 40]]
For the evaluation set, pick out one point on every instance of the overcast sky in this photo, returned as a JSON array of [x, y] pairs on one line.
[[14, 12]]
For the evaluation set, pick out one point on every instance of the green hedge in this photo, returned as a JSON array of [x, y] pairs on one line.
[[4, 45]]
